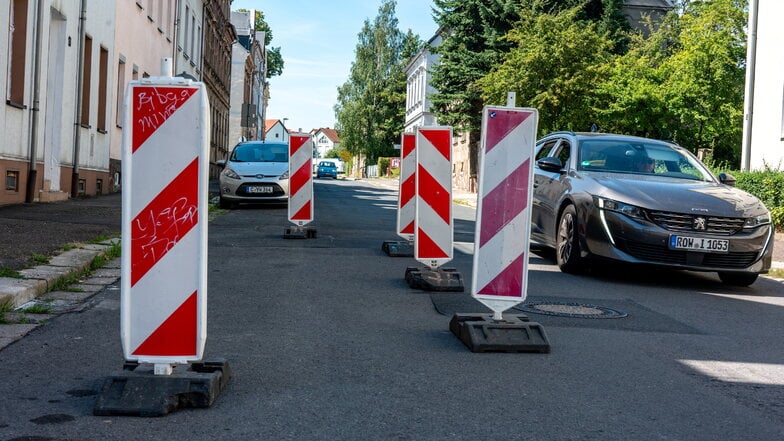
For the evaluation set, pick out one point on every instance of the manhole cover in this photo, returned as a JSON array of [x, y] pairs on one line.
[[577, 310]]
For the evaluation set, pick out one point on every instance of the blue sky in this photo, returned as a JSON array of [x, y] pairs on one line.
[[317, 40]]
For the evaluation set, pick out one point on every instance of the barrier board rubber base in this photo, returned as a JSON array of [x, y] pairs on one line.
[[398, 248], [515, 333], [136, 391], [299, 233], [440, 279]]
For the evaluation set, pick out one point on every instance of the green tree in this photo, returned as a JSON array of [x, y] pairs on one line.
[[555, 64], [370, 108], [684, 82]]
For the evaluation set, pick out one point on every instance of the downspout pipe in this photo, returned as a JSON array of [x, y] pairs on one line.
[[32, 176], [748, 104], [78, 100], [176, 35]]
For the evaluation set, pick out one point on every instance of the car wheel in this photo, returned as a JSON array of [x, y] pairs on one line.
[[738, 279], [224, 204], [567, 245]]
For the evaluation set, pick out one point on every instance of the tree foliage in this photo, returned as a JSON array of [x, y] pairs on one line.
[[684, 82], [555, 64], [371, 105]]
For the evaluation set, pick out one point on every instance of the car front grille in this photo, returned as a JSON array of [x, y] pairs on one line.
[[664, 255], [725, 226]]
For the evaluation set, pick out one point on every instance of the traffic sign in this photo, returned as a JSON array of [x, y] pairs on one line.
[[301, 179], [164, 221], [406, 206], [433, 213], [499, 278]]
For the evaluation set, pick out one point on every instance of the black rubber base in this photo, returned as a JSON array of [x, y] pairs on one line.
[[136, 391], [480, 333], [440, 279], [398, 248], [299, 233]]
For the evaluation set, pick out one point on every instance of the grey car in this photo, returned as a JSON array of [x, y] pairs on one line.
[[643, 201], [256, 171]]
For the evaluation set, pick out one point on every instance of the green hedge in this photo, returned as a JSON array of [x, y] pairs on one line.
[[768, 185]]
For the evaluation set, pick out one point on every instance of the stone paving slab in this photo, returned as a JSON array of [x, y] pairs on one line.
[[107, 272], [46, 272], [99, 281], [77, 258], [20, 291]]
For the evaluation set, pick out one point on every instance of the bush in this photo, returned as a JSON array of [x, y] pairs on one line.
[[768, 186], [383, 166]]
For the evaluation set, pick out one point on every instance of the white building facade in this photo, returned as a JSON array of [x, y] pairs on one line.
[[763, 126], [57, 79], [418, 88]]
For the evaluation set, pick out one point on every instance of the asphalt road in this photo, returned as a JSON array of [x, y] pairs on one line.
[[327, 342]]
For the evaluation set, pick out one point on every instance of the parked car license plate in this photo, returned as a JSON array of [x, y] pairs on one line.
[[699, 244], [260, 189]]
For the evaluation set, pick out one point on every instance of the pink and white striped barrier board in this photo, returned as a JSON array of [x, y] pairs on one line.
[[300, 179], [434, 228], [164, 221], [406, 208], [499, 278]]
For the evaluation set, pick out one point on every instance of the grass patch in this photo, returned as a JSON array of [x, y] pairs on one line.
[[39, 258], [8, 272], [69, 246], [5, 307], [38, 309], [777, 273], [105, 237]]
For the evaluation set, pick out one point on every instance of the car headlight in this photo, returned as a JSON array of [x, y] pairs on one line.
[[756, 221], [229, 173], [284, 175], [619, 207]]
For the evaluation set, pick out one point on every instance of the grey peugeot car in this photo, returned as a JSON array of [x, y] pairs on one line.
[[256, 171], [637, 200]]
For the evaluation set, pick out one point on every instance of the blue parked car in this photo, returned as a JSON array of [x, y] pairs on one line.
[[327, 169]]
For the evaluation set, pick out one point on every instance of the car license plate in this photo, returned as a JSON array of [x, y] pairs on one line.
[[261, 189], [699, 244]]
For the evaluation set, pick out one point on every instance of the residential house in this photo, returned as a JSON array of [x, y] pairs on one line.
[[763, 126], [219, 35], [189, 38], [638, 12], [247, 78], [137, 58], [274, 130], [324, 140], [57, 113]]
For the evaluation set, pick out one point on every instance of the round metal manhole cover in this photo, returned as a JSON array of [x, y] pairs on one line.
[[577, 310]]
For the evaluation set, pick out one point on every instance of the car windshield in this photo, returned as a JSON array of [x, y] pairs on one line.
[[640, 157], [260, 152], [326, 164]]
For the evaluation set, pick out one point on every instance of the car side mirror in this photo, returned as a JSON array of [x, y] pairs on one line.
[[727, 179], [551, 164], [221, 163]]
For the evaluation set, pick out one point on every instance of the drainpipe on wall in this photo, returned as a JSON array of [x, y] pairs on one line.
[[78, 109], [751, 64], [176, 35], [32, 176]]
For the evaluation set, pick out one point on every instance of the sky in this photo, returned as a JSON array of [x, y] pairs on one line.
[[317, 40]]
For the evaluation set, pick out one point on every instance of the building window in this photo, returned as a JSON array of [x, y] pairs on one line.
[[120, 91], [185, 34], [86, 80], [135, 73], [103, 81], [98, 186], [193, 39], [17, 45], [82, 188], [12, 180]]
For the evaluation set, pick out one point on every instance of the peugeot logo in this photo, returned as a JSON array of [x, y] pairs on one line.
[[699, 223]]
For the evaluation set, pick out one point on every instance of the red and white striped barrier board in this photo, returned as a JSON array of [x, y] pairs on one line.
[[406, 207], [300, 179], [434, 229], [499, 278], [164, 221]]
